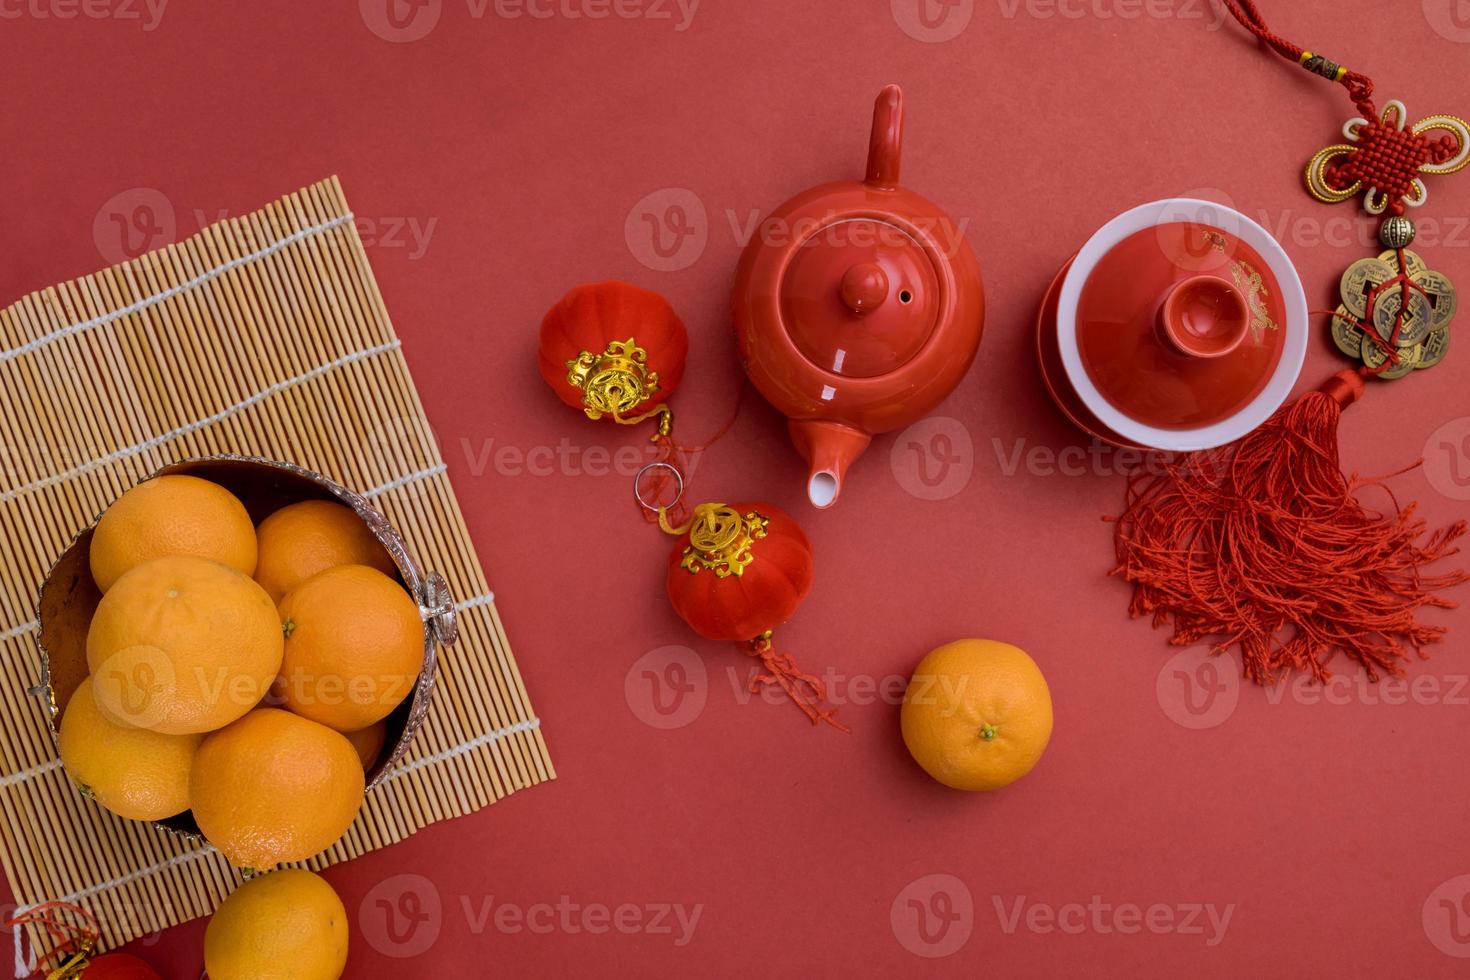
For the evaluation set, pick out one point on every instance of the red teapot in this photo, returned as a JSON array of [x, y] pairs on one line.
[[858, 307]]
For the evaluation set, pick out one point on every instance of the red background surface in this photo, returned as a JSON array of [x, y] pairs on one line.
[[1328, 823]]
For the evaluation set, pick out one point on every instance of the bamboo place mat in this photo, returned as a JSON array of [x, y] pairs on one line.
[[263, 335]]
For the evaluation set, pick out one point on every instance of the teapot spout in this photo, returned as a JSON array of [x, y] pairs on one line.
[[829, 448], [885, 146]]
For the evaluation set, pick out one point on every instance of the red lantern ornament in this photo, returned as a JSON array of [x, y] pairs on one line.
[[75, 934], [116, 966], [736, 573], [614, 351]]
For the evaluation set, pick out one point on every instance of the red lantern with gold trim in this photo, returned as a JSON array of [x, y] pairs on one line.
[[721, 588], [736, 573], [614, 351]]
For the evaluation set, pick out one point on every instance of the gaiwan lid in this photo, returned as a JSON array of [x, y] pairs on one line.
[[859, 296], [1182, 325]]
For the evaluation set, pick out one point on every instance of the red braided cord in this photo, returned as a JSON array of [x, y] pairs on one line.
[[1359, 86]]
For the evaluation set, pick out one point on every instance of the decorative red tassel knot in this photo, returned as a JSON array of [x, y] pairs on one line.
[[1386, 159], [1263, 545]]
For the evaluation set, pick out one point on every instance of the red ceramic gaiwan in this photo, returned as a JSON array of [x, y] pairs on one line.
[[1181, 325], [858, 308]]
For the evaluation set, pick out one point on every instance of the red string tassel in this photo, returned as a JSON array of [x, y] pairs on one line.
[[805, 690], [1263, 545]]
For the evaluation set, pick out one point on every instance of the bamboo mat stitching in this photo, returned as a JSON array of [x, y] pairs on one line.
[[479, 741], [404, 481], [173, 291], [33, 771], [197, 424]]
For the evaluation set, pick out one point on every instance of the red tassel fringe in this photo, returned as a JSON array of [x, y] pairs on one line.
[[806, 691], [1264, 545]]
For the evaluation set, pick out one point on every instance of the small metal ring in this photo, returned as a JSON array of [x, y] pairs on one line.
[[638, 486]]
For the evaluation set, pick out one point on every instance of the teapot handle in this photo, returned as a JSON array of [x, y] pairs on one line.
[[885, 148]]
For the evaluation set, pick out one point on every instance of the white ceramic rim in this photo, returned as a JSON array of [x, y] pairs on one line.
[[1293, 352]]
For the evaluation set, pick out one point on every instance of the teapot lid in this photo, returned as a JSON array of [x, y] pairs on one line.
[[860, 296], [1182, 324]]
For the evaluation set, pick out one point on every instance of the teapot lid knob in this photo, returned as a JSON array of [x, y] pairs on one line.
[[864, 287]]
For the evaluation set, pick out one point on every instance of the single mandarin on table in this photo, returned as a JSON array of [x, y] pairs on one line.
[[286, 925], [977, 714]]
